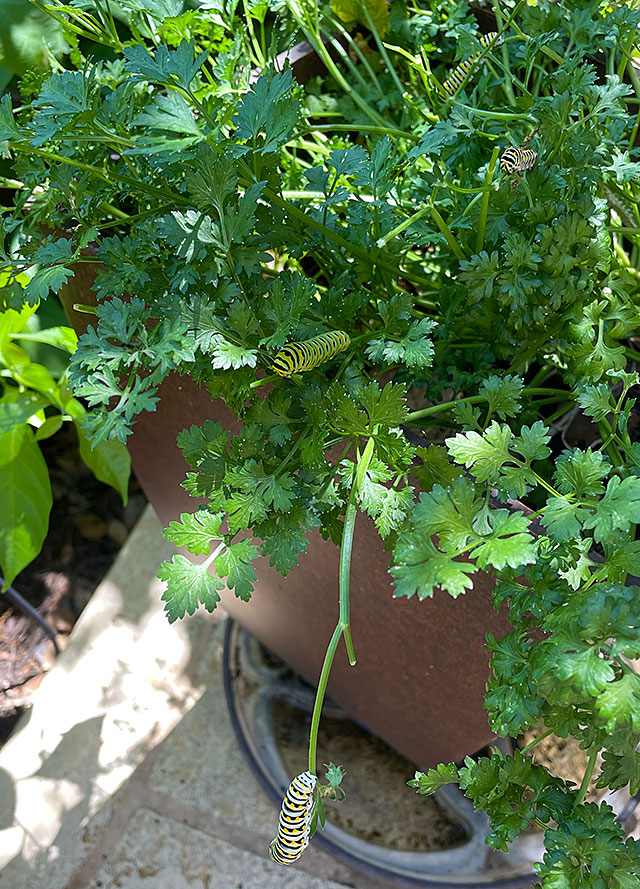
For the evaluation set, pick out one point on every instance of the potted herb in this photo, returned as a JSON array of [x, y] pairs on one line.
[[407, 244]]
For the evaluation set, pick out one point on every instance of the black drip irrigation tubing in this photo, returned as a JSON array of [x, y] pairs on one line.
[[21, 602], [629, 809]]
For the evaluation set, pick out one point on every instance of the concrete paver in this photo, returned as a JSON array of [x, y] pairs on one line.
[[202, 776], [151, 849]]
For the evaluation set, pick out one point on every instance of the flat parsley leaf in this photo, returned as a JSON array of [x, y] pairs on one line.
[[188, 586], [195, 530]]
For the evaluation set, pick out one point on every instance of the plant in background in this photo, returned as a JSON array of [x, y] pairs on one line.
[[29, 43], [498, 297]]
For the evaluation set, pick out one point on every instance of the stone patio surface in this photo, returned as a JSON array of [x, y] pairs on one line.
[[126, 773]]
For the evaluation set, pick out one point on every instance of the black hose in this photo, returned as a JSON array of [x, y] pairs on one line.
[[629, 809], [25, 606]]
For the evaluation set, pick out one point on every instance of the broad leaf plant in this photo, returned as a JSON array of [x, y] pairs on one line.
[[233, 211]]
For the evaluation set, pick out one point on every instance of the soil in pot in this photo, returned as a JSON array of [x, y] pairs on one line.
[[562, 757], [379, 807]]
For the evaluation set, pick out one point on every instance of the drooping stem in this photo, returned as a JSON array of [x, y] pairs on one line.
[[343, 627], [587, 777], [317, 705]]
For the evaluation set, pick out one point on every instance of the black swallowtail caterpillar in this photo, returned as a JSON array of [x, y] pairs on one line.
[[517, 160], [295, 820], [457, 76], [297, 357]]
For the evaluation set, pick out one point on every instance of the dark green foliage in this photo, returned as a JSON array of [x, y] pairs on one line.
[[229, 222]]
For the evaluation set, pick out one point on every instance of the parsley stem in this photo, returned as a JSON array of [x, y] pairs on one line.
[[316, 41], [354, 69], [484, 207], [253, 40], [495, 115], [212, 556], [508, 83], [342, 627], [630, 66], [354, 249], [113, 174], [311, 147], [263, 380], [586, 778], [361, 128], [550, 53], [90, 30], [543, 483], [608, 444], [626, 668], [623, 229], [446, 231], [114, 211], [337, 26], [383, 52], [322, 685], [478, 399], [381, 242], [537, 740], [144, 214]]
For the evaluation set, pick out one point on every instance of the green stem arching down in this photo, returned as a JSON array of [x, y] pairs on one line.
[[584, 787], [342, 627]]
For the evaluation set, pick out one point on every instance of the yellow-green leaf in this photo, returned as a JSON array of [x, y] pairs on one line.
[[25, 501], [17, 408], [350, 11], [49, 427], [109, 461]]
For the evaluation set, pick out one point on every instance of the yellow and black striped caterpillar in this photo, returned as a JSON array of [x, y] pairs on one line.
[[455, 79], [295, 820], [297, 357], [517, 160]]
